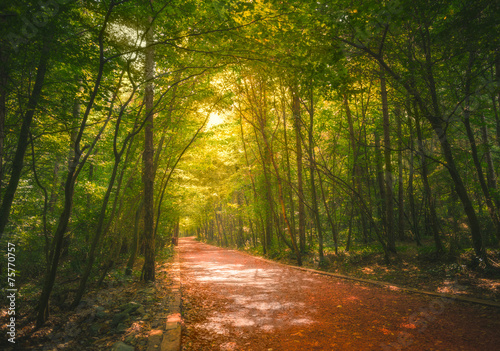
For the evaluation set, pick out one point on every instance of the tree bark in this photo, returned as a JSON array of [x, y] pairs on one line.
[[135, 242], [411, 194], [401, 212], [328, 215], [289, 169], [389, 202], [312, 172], [490, 173], [300, 187], [148, 270], [492, 210], [429, 199]]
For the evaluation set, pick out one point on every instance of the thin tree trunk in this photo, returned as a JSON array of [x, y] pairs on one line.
[[349, 232], [389, 202], [300, 188], [100, 229], [495, 107], [45, 204], [251, 178], [492, 210], [289, 171], [280, 193], [148, 271], [312, 172], [401, 212], [411, 190], [135, 242], [490, 173], [429, 200], [380, 181], [328, 215]]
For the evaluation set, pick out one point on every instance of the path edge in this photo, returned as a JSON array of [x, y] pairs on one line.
[[173, 327], [169, 339]]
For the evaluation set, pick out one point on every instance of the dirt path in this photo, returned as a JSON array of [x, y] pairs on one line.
[[232, 301]]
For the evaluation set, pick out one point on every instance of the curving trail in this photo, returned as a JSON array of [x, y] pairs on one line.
[[232, 301]]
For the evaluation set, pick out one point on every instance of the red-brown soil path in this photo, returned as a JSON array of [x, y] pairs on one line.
[[232, 301]]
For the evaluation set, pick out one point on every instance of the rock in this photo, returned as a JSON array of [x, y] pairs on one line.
[[72, 331], [119, 318], [121, 328], [100, 312], [121, 346], [149, 291], [141, 310], [95, 328], [81, 305], [90, 317], [131, 307]]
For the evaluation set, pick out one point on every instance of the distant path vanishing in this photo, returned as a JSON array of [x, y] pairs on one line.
[[232, 301]]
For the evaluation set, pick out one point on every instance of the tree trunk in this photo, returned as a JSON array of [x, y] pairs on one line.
[[429, 200], [312, 172], [135, 242], [401, 232], [254, 189], [435, 119], [328, 215], [492, 210], [148, 271], [280, 191], [356, 173], [300, 187], [380, 181], [289, 172], [490, 173], [411, 190], [389, 202], [475, 227], [495, 107]]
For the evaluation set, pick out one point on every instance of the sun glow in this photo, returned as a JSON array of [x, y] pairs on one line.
[[214, 120]]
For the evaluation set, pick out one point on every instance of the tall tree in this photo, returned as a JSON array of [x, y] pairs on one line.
[[148, 177]]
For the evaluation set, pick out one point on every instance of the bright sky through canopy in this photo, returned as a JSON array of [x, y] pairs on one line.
[[214, 120]]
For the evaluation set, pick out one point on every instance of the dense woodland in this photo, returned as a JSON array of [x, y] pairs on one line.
[[287, 127]]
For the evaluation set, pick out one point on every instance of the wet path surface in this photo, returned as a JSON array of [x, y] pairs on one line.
[[233, 301]]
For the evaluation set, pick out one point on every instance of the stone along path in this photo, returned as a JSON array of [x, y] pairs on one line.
[[232, 301]]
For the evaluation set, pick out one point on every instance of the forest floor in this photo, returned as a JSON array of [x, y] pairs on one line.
[[124, 309], [232, 301]]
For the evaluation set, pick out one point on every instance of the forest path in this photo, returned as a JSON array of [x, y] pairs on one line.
[[232, 301]]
